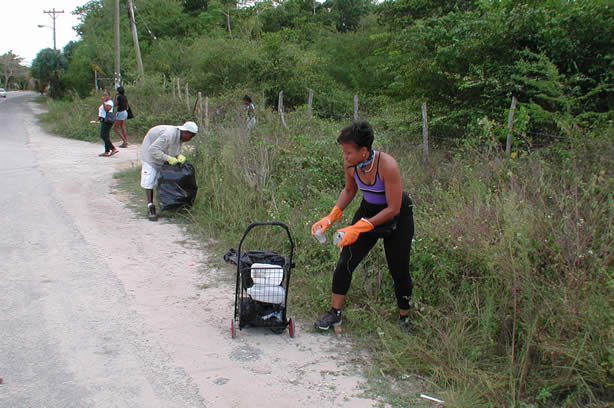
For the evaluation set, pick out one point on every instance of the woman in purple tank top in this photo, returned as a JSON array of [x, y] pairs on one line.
[[385, 212]]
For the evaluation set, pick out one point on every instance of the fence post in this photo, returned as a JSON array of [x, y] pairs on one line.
[[355, 107], [280, 108], [309, 104], [200, 109], [173, 87], [425, 135], [164, 84], [206, 113], [510, 123], [179, 90], [187, 96]]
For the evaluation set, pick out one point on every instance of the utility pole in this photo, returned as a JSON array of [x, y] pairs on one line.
[[116, 76], [135, 39], [53, 13]]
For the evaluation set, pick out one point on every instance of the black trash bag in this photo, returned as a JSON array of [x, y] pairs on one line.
[[246, 313], [176, 186], [249, 258], [259, 313], [267, 313]]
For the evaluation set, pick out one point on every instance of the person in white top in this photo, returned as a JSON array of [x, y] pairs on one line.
[[105, 127], [251, 111], [162, 144]]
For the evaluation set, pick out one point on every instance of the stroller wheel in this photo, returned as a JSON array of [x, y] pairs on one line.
[[277, 330], [232, 329], [291, 328]]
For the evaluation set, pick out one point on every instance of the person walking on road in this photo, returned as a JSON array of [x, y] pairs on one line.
[[385, 212], [121, 101], [105, 127], [162, 144]]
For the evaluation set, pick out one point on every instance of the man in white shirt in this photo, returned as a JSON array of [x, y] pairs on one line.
[[162, 144]]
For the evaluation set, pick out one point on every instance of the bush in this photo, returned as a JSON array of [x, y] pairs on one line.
[[511, 264]]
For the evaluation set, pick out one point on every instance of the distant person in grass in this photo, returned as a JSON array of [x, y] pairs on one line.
[[251, 111], [385, 212], [162, 144], [105, 127], [121, 102]]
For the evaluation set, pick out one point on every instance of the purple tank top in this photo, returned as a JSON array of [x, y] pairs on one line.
[[372, 193]]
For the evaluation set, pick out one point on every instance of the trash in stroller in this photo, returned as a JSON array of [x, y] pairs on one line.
[[263, 278]]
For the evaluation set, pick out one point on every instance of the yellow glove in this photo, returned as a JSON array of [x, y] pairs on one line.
[[181, 159], [351, 233], [325, 222], [172, 161]]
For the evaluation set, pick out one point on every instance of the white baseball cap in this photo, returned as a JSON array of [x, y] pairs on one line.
[[189, 127]]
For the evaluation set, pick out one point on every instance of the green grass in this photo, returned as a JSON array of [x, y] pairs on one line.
[[42, 99], [128, 181], [512, 259]]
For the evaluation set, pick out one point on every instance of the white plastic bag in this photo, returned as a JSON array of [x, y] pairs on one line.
[[267, 274], [267, 294]]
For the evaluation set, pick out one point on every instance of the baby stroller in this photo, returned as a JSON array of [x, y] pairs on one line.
[[263, 278]]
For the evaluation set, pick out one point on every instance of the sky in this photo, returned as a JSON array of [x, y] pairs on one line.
[[19, 31]]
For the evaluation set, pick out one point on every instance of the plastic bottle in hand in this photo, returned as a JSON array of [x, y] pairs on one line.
[[338, 236], [319, 235]]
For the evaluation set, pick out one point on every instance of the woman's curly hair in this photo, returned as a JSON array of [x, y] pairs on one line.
[[359, 132]]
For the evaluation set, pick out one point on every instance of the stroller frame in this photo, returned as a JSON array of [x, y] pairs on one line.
[[268, 306]]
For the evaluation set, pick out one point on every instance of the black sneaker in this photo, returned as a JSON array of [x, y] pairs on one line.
[[405, 324], [332, 317], [151, 212]]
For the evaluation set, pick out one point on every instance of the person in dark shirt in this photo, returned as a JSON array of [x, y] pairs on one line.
[[122, 114]]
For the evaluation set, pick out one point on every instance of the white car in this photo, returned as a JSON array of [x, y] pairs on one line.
[[2, 93]]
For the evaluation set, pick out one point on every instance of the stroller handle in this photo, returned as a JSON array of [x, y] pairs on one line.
[[265, 223]]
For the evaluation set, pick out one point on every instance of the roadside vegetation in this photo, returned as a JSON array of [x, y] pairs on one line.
[[512, 259]]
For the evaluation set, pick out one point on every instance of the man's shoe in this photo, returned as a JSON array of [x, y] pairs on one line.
[[151, 212], [330, 318], [405, 324]]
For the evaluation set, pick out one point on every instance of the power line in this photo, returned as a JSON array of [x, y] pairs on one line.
[[145, 24]]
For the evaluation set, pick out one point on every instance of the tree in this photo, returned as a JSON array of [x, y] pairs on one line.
[[227, 7], [11, 67], [347, 13], [297, 15], [194, 6], [69, 49], [89, 10], [400, 13], [48, 67]]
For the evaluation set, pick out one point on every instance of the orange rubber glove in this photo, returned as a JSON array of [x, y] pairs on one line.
[[351, 233], [327, 221]]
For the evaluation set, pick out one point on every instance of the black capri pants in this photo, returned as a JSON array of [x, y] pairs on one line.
[[397, 235], [105, 135]]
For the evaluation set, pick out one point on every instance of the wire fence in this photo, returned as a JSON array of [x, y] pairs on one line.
[[417, 130]]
